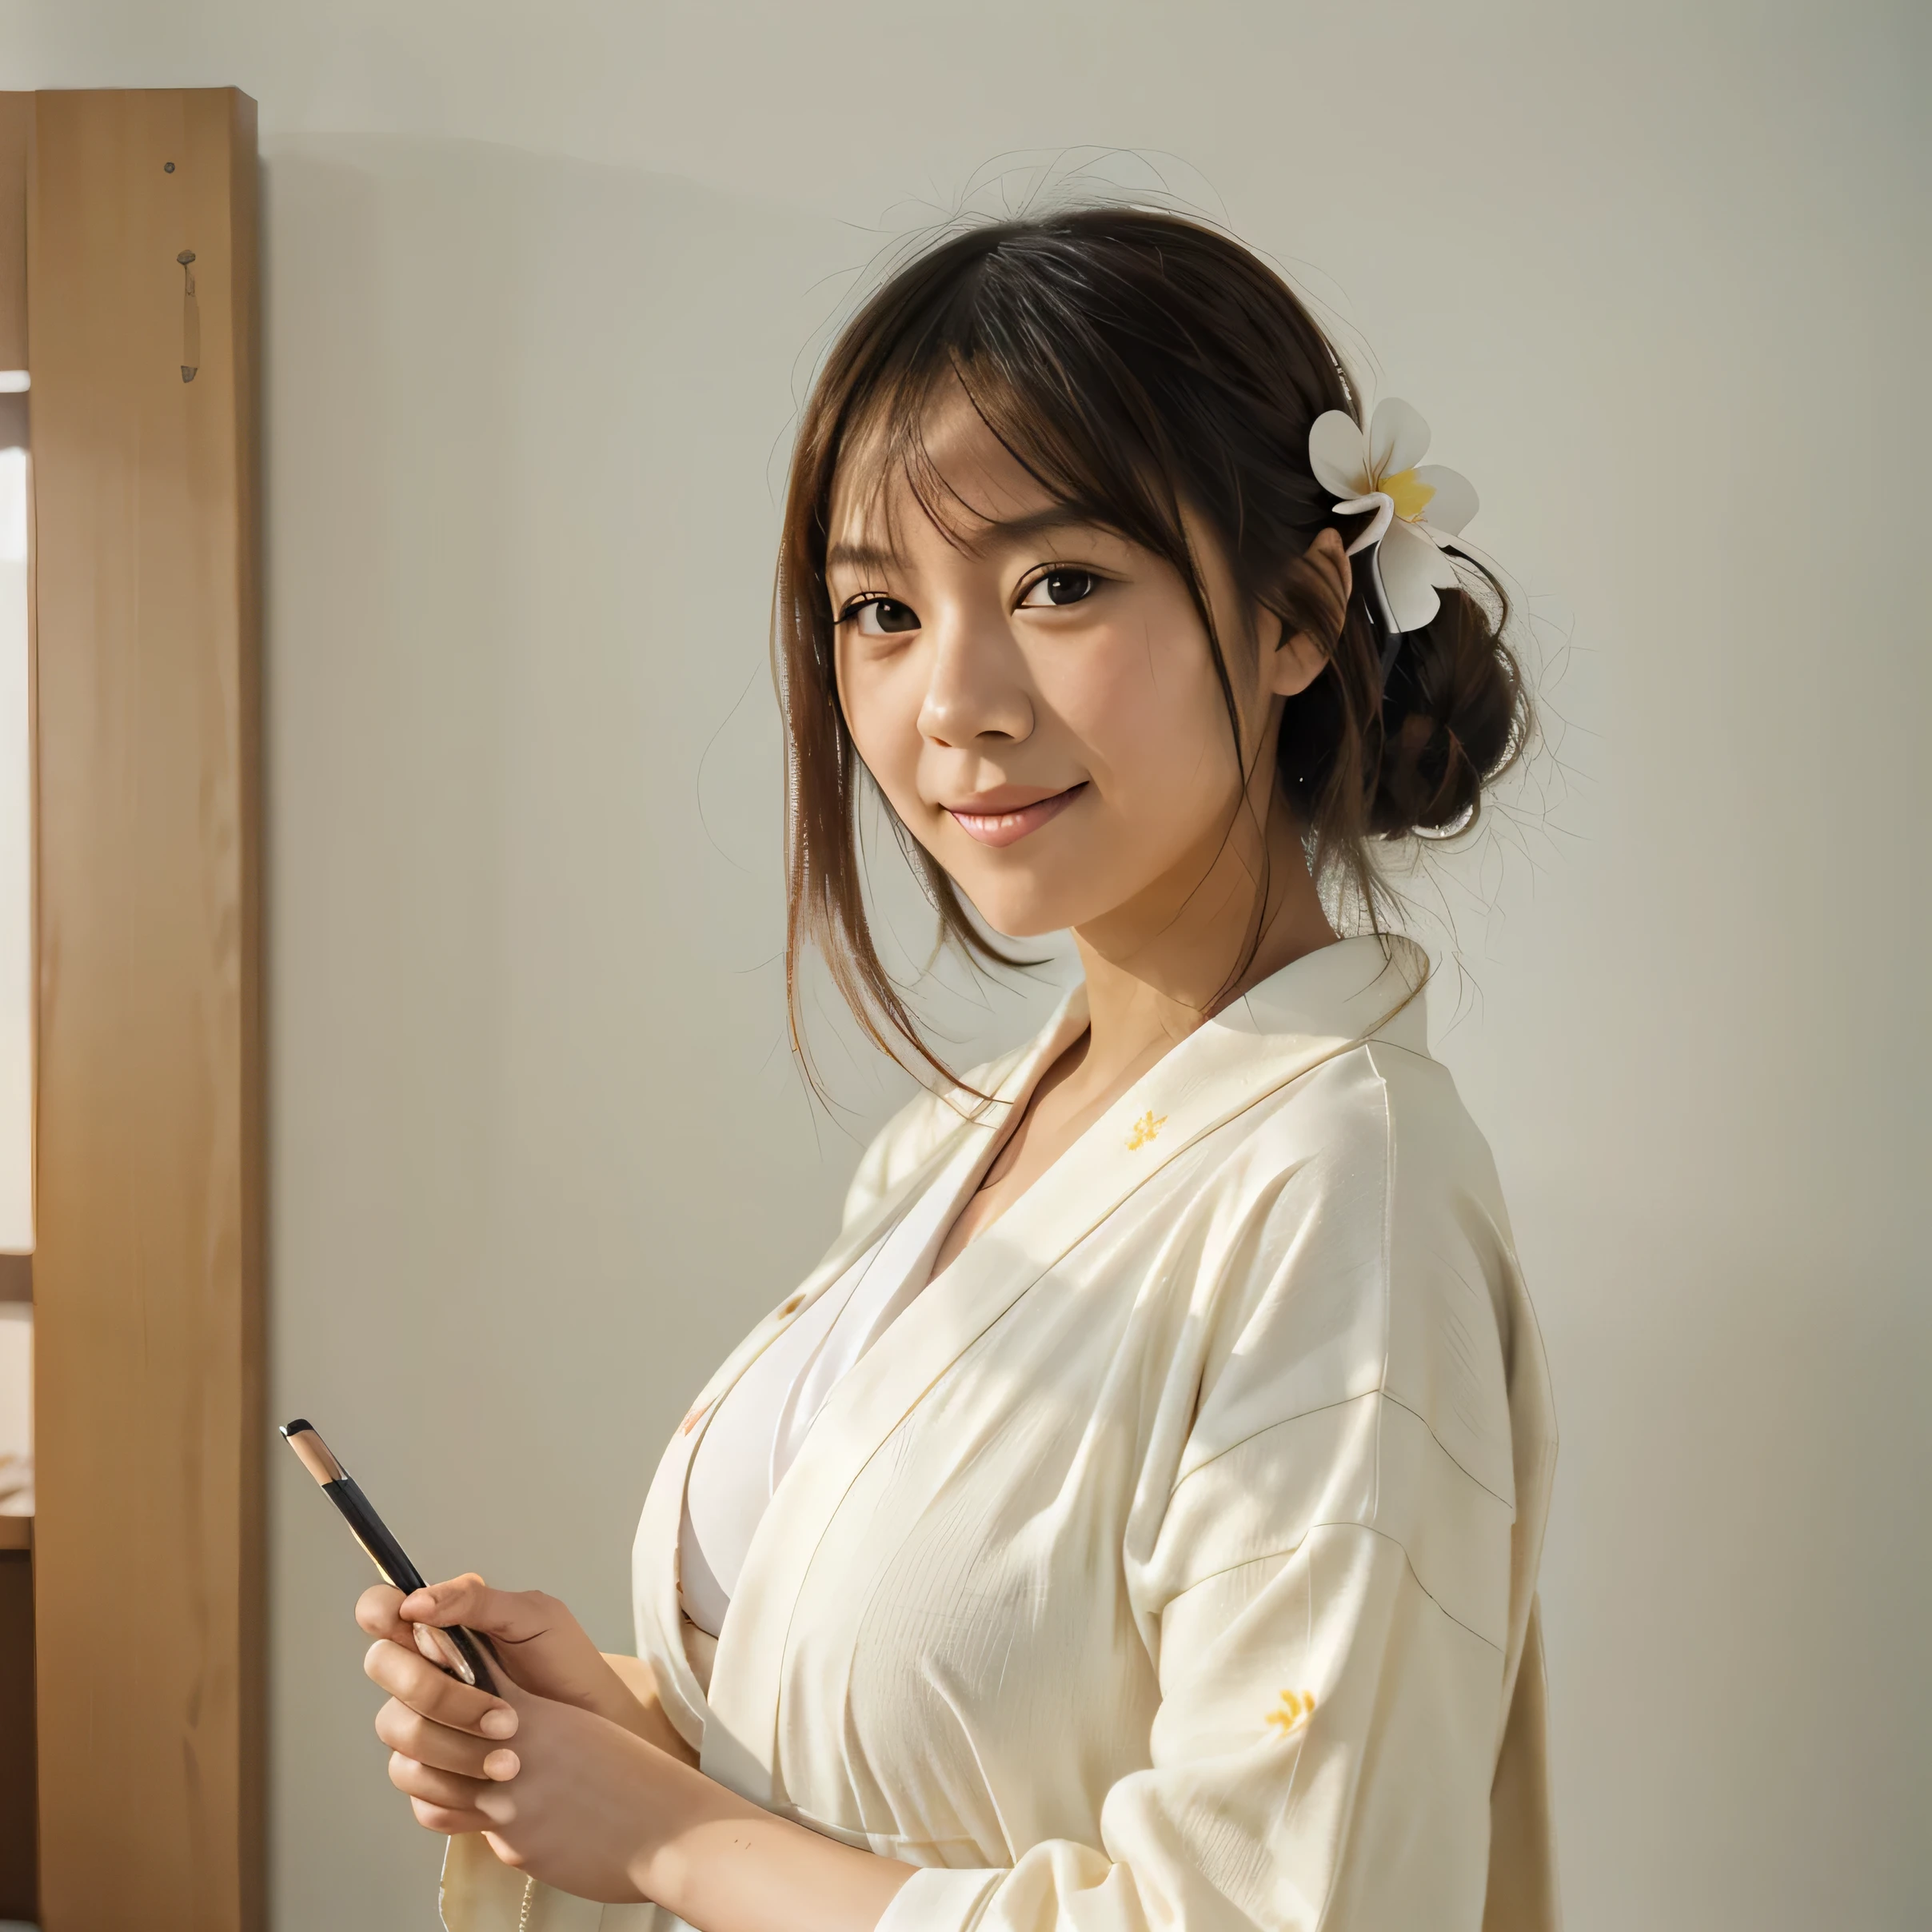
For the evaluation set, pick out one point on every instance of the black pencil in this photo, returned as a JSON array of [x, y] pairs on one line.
[[461, 1650]]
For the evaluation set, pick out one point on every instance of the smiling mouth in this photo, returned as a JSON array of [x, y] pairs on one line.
[[1009, 827]]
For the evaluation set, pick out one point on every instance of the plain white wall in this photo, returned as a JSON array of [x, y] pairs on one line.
[[538, 281]]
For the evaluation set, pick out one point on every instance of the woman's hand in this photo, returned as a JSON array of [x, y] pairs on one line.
[[541, 1646], [567, 1797], [586, 1803]]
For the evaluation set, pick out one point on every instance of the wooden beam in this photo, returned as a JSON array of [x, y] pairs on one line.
[[147, 1279]]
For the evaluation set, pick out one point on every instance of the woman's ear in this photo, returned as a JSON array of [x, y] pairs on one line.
[[1300, 659]]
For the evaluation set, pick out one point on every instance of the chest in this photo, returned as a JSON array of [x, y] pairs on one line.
[[960, 1571], [969, 1622], [1059, 1112]]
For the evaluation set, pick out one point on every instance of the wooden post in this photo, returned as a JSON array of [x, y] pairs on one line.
[[147, 1546]]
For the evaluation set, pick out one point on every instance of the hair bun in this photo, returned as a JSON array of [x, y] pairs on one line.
[[1453, 719]]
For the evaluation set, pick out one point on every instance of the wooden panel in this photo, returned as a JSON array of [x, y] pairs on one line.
[[16, 138], [147, 1277]]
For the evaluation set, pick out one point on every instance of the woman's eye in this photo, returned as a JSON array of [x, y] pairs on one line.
[[883, 618], [1057, 588]]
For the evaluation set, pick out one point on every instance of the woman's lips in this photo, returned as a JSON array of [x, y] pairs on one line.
[[1007, 828]]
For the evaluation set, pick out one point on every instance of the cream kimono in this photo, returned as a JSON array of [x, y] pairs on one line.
[[1170, 1562]]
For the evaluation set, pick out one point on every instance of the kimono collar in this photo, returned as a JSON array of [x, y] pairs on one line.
[[1353, 989]]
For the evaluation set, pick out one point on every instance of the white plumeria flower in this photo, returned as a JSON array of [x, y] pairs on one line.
[[1419, 511]]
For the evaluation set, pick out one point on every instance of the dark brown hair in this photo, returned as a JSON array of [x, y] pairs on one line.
[[1134, 362]]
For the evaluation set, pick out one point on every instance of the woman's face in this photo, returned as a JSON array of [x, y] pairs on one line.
[[1036, 695]]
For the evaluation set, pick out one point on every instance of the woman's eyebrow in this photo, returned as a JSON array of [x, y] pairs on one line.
[[859, 557], [986, 535], [1016, 529]]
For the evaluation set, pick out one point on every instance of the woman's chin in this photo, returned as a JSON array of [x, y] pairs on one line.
[[1027, 914], [1020, 928]]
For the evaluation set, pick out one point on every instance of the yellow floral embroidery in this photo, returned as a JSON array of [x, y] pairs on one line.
[[1145, 1128], [1297, 1707]]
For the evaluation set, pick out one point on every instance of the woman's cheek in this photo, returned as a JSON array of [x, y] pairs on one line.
[[1152, 751], [885, 733]]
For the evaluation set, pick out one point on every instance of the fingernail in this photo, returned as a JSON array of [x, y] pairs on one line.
[[502, 1764], [502, 1722], [417, 1600]]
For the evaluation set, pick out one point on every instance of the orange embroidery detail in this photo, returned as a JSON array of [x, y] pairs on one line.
[[693, 1417], [790, 1307], [1296, 1708], [1145, 1128]]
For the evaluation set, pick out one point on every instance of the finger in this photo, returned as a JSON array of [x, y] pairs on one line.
[[451, 1824], [538, 1641], [375, 1612], [445, 1789], [435, 1642], [458, 1599], [414, 1681], [415, 1736], [507, 1854], [511, 1616], [447, 1804]]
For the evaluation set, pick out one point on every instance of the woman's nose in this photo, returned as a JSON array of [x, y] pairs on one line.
[[977, 688]]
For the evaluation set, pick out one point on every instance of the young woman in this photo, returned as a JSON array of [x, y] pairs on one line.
[[1134, 1521]]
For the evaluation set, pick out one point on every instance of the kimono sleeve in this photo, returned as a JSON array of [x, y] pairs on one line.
[[1326, 1592]]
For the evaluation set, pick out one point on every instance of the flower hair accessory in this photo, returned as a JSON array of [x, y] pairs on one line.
[[1419, 512]]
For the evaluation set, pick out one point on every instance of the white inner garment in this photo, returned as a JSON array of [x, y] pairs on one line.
[[763, 1421]]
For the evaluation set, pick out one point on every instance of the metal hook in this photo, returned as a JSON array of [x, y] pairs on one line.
[[191, 318]]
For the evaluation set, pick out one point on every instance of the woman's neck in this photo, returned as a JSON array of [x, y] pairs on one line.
[[1160, 968], [1155, 971]]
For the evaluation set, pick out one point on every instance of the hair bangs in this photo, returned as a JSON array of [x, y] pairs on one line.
[[1031, 388]]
